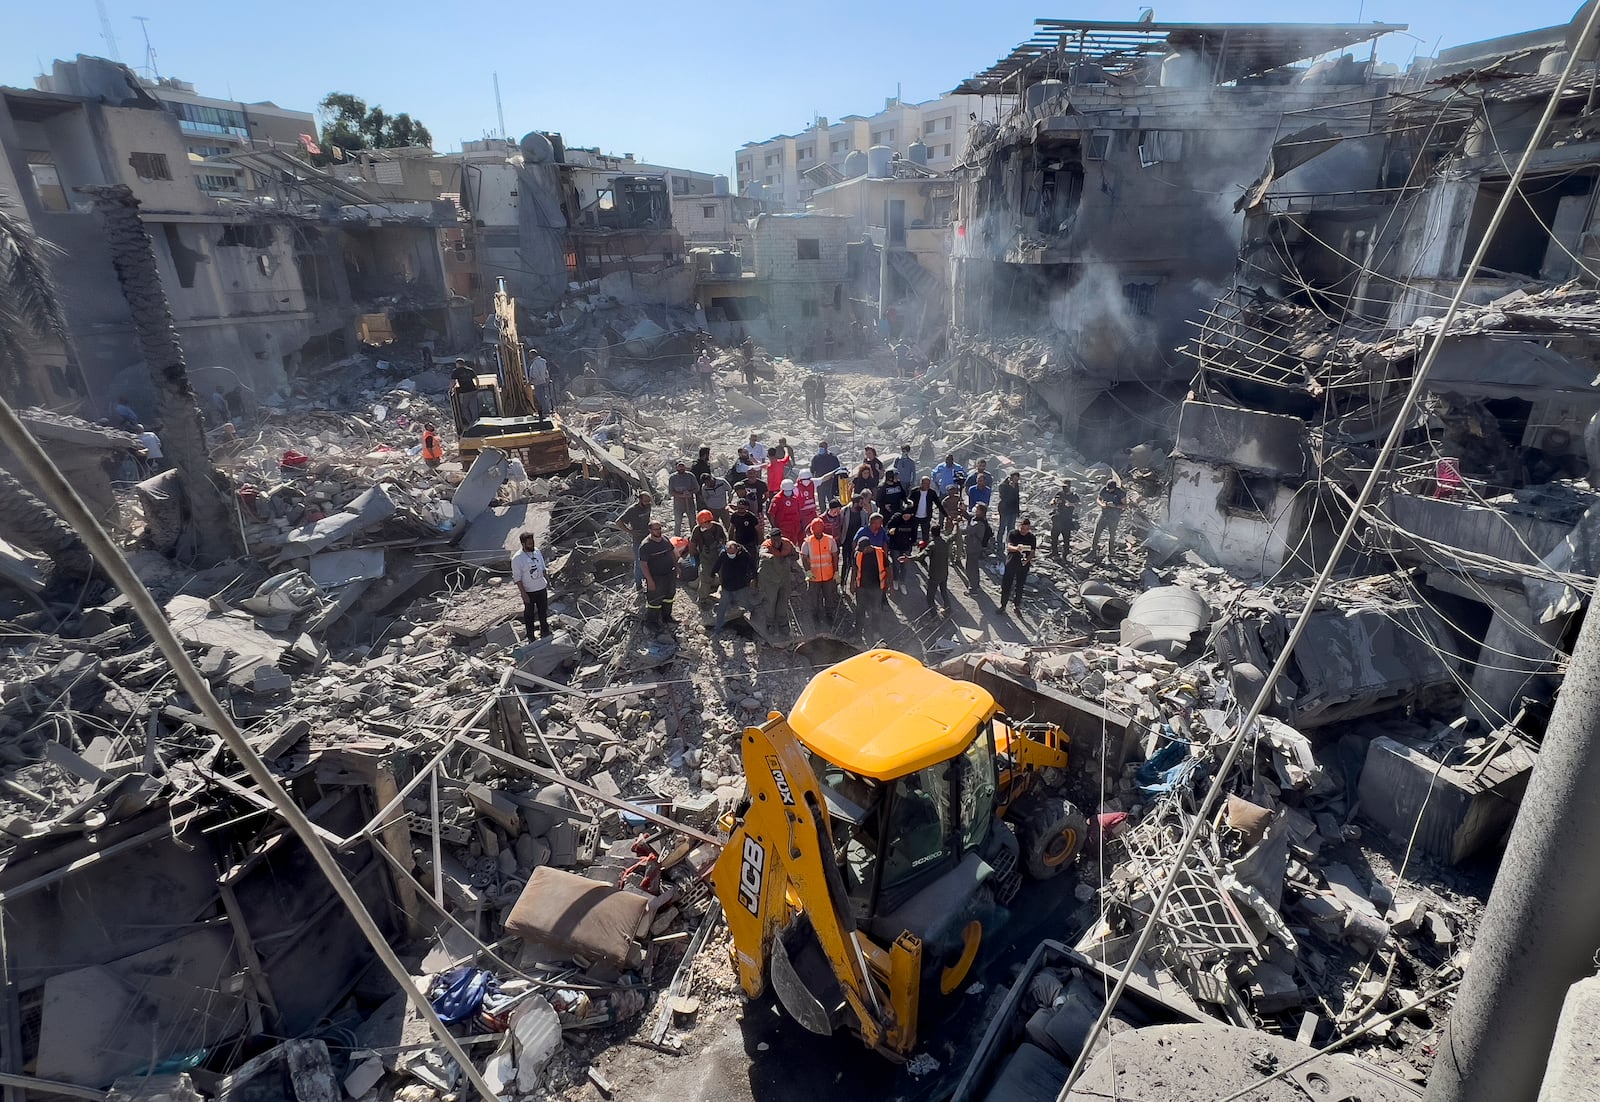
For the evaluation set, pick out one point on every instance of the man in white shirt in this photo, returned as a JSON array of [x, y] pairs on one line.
[[757, 450], [538, 370], [155, 459], [528, 575]]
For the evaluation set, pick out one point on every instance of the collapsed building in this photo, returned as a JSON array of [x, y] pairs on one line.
[[541, 815], [1094, 217]]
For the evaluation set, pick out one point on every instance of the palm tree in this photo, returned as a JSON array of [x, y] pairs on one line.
[[30, 310], [183, 434], [31, 317]]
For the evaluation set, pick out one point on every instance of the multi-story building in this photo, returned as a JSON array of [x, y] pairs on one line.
[[778, 165], [257, 283], [212, 129], [1099, 210]]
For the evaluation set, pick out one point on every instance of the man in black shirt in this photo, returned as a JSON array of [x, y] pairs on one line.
[[735, 569], [976, 541], [753, 489], [892, 497], [938, 563], [465, 380], [902, 541], [1010, 501], [1112, 499], [659, 560], [1020, 546], [872, 585], [744, 524], [635, 522]]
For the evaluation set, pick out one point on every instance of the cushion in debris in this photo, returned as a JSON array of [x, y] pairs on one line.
[[1031, 1075], [574, 915]]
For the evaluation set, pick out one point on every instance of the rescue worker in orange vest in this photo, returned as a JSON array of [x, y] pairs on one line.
[[872, 584], [820, 557], [432, 446]]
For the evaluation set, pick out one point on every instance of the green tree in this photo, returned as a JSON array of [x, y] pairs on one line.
[[349, 123]]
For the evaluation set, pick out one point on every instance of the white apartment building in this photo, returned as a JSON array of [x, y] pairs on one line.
[[778, 163]]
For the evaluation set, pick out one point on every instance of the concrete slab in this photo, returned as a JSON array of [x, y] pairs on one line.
[[364, 512], [1461, 814], [335, 568], [482, 483], [491, 539], [1569, 1076]]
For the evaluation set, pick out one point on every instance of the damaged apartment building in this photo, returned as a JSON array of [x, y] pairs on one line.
[[1095, 216], [1357, 230], [270, 265]]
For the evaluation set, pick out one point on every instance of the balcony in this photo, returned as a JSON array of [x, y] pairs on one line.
[[238, 133]]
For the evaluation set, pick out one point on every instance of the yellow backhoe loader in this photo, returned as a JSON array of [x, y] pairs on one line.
[[888, 817], [502, 411]]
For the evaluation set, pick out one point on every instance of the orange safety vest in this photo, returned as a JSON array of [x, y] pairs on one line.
[[883, 566], [819, 554], [431, 448]]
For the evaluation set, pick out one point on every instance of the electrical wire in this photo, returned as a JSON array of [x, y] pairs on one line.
[[1368, 489]]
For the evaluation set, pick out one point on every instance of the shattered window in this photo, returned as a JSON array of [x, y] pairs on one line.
[[606, 199], [808, 248], [150, 166], [1251, 494]]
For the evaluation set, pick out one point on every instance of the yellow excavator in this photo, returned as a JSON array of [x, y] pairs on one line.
[[888, 818], [502, 411]]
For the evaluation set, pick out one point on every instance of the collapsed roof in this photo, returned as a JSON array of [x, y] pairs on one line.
[[1124, 50]]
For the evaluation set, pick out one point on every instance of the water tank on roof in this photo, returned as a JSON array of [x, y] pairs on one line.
[[1038, 94], [719, 185], [1553, 62], [536, 149], [879, 157], [1087, 72], [918, 153], [725, 264], [855, 164], [1183, 70]]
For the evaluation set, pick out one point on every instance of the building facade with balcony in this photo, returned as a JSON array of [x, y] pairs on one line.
[[778, 165]]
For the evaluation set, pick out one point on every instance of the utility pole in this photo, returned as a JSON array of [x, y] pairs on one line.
[[1542, 926]]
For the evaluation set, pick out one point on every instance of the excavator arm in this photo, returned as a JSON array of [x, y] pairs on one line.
[[780, 854]]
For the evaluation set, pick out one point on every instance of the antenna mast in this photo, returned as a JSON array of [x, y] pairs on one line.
[[499, 109], [106, 32], [149, 50]]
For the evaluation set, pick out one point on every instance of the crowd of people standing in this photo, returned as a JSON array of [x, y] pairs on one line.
[[770, 527]]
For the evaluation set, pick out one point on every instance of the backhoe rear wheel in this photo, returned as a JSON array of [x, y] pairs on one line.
[[1050, 831]]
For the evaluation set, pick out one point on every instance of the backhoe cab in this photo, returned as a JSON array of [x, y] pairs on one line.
[[886, 819]]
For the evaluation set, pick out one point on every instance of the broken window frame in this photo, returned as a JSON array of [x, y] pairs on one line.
[[1249, 495], [808, 248], [150, 166]]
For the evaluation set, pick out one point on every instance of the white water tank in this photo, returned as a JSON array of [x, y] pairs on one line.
[[879, 158], [1038, 94], [536, 149], [918, 153], [719, 185], [855, 164]]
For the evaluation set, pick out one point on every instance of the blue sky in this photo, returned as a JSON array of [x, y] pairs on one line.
[[682, 84]]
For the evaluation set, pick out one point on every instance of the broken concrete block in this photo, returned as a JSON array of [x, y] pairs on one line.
[[1406, 918], [605, 784], [503, 636], [1273, 990], [1460, 813], [1439, 930], [496, 806], [364, 1076], [270, 679], [563, 839]]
